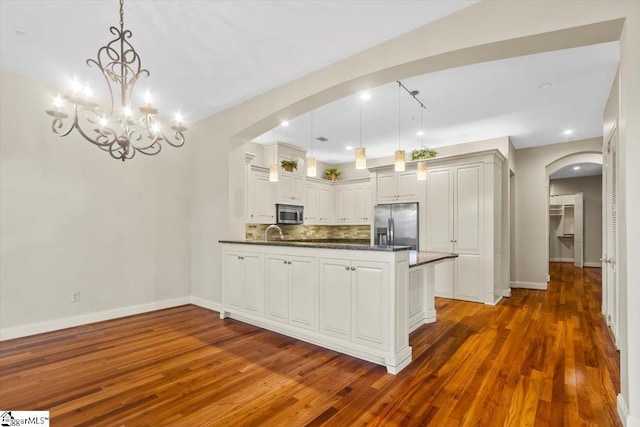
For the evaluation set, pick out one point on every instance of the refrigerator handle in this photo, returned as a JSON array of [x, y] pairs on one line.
[[391, 231]]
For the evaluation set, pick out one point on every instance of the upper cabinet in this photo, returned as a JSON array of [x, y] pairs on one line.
[[353, 203], [261, 197], [319, 204], [290, 188], [398, 187]]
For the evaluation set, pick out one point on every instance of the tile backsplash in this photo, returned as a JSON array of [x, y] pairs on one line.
[[308, 232]]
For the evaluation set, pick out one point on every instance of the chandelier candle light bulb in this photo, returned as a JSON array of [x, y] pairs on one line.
[[121, 68]]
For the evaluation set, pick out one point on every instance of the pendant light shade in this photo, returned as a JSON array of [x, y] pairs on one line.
[[273, 173], [422, 171], [361, 158], [311, 166], [400, 161]]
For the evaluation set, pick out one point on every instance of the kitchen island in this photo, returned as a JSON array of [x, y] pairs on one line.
[[351, 298]]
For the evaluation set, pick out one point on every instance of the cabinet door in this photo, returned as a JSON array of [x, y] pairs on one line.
[[285, 188], [407, 186], [303, 292], [468, 208], [252, 297], [440, 210], [468, 232], [261, 199], [297, 189], [277, 288], [233, 279], [387, 187], [443, 279], [468, 277], [416, 307], [312, 205], [363, 207], [345, 205], [327, 204], [370, 297], [335, 298]]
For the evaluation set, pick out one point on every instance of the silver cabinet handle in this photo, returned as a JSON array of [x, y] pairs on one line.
[[346, 267], [240, 257], [284, 262], [289, 263], [353, 269]]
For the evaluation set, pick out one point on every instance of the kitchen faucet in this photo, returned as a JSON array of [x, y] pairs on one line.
[[266, 232]]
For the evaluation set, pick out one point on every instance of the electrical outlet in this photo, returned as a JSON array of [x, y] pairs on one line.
[[75, 297]]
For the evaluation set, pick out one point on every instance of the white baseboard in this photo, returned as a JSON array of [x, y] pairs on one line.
[[529, 285], [560, 259], [506, 293], [205, 303], [593, 264], [494, 302], [623, 412], [83, 319]]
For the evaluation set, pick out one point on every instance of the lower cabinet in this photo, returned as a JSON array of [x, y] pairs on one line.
[[354, 299], [291, 290], [243, 281]]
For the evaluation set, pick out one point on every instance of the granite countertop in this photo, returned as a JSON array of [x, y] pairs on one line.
[[421, 258], [322, 244]]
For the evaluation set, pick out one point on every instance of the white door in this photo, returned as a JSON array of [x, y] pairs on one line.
[[335, 298], [609, 253], [327, 205], [363, 207], [252, 297], [467, 236], [277, 288], [407, 186], [578, 231], [303, 292], [311, 206], [233, 279], [440, 226], [261, 199], [387, 187], [370, 303]]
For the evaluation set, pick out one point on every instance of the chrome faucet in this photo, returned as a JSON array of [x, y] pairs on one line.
[[266, 232]]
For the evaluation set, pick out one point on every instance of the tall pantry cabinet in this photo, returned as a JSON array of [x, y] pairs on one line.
[[464, 216]]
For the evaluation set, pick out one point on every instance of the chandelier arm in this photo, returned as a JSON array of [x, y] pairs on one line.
[[57, 124], [179, 136], [101, 133]]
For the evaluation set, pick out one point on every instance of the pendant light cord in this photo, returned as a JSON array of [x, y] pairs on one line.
[[399, 117]]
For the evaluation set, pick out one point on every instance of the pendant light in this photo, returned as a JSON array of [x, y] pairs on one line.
[[399, 157], [273, 167], [361, 152], [311, 161], [422, 166]]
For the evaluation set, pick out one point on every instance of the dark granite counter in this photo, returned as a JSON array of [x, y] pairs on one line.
[[421, 258], [333, 244]]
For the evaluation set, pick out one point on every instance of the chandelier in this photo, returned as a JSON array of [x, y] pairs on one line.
[[119, 132]]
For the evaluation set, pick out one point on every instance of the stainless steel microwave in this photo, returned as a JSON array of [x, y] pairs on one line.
[[289, 214]]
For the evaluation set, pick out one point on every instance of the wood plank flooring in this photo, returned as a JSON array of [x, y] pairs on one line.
[[538, 358]]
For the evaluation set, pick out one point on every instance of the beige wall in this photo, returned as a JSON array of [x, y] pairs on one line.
[[591, 187], [531, 205], [73, 219]]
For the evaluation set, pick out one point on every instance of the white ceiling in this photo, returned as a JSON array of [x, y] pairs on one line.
[[584, 169], [205, 56], [476, 102]]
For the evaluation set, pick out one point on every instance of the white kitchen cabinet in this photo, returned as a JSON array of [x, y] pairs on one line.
[[243, 285], [291, 188], [261, 200], [319, 203], [290, 290], [353, 203], [464, 198], [398, 187], [348, 300], [363, 208], [354, 301]]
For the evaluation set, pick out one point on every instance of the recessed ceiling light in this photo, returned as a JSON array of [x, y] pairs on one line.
[[576, 168], [546, 85], [420, 133], [568, 131], [285, 123], [365, 96], [348, 147]]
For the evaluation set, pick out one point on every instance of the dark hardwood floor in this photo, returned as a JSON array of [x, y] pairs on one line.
[[537, 358]]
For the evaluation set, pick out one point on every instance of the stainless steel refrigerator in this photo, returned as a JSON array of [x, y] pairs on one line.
[[397, 224]]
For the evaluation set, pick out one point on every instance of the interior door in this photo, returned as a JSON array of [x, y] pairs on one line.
[[609, 253]]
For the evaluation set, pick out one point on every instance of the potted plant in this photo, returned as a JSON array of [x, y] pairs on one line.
[[289, 165], [332, 174], [422, 154]]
